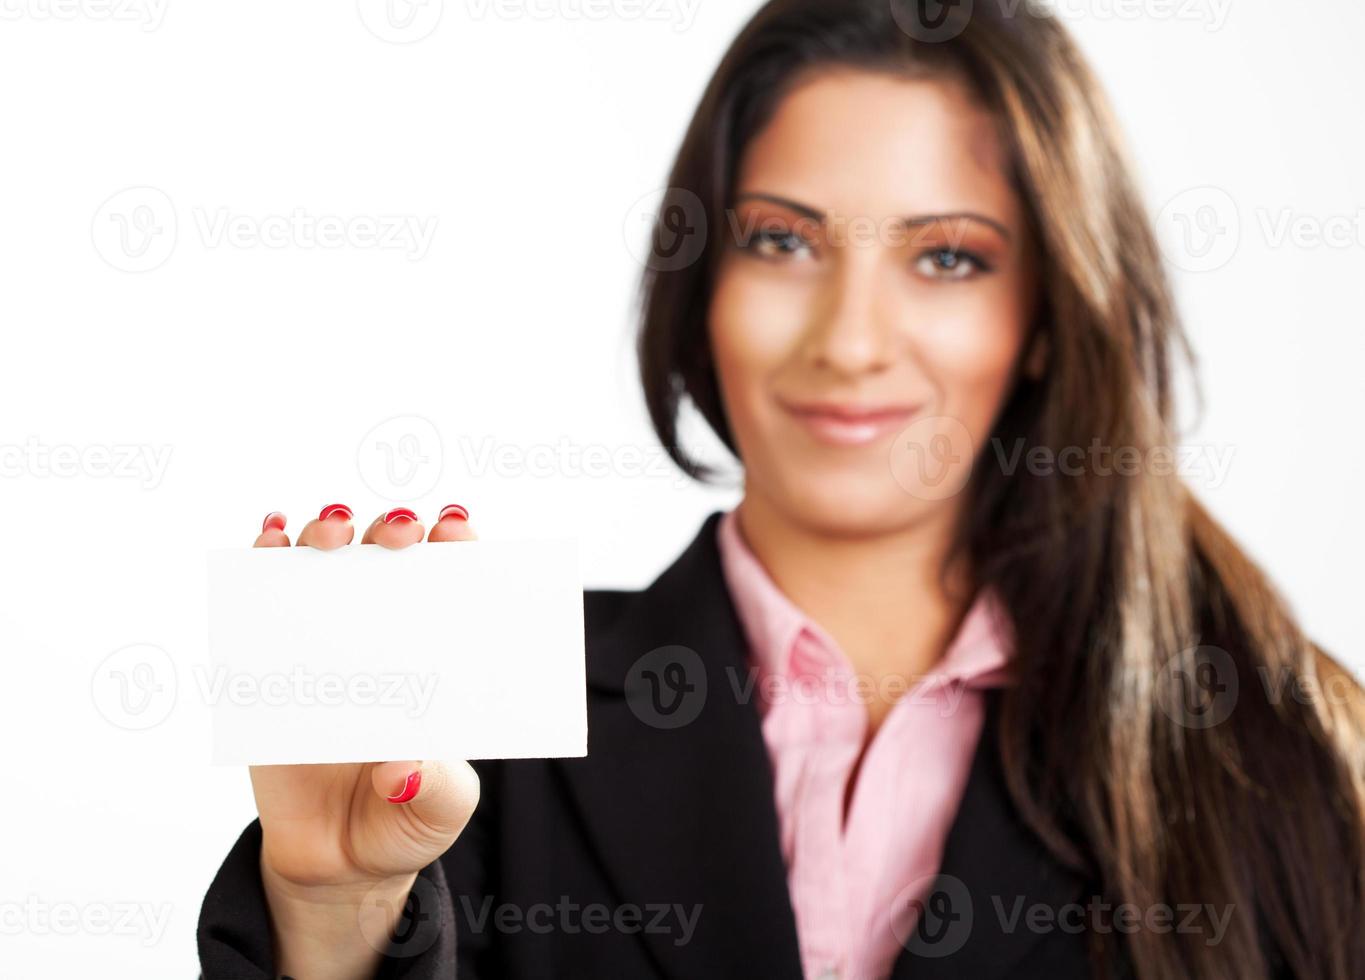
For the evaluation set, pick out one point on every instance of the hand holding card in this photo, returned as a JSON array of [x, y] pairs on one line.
[[329, 655]]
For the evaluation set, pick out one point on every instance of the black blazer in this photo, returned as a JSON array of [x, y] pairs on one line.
[[660, 817]]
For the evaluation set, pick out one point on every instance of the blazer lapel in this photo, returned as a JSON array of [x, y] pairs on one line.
[[676, 795], [676, 792], [994, 869]]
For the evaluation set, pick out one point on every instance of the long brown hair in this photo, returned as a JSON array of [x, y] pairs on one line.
[[1121, 587]]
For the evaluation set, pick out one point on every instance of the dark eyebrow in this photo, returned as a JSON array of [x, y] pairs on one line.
[[815, 214]]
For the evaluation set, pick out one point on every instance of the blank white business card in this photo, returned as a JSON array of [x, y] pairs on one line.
[[456, 650]]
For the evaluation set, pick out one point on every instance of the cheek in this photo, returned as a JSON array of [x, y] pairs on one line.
[[755, 326], [970, 354]]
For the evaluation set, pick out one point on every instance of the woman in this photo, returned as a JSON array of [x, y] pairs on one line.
[[919, 706]]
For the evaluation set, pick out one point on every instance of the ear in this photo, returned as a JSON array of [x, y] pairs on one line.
[[1038, 353]]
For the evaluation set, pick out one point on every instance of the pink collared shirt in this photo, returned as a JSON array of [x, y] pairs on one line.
[[855, 881]]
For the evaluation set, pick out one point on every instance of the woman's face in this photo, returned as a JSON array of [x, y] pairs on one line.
[[873, 303]]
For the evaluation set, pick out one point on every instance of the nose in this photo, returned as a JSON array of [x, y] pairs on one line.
[[850, 331]]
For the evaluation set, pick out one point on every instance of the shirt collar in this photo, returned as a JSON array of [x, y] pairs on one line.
[[978, 656]]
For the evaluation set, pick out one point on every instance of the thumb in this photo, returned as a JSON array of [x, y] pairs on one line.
[[441, 795]]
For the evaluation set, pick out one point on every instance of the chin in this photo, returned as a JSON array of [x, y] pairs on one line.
[[854, 504]]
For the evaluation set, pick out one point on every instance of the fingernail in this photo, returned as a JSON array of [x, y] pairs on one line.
[[273, 520], [409, 790], [399, 514], [336, 510], [453, 510]]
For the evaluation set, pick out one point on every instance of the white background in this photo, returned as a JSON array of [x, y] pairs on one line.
[[534, 143]]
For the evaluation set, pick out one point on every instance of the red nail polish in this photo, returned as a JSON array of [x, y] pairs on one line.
[[336, 510], [453, 510], [409, 790], [399, 514], [273, 520]]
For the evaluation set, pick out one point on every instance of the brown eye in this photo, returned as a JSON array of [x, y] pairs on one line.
[[949, 264]]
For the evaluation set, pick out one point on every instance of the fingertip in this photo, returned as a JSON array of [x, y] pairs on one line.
[[442, 795], [338, 512], [397, 782], [453, 525], [272, 532], [398, 528], [332, 529]]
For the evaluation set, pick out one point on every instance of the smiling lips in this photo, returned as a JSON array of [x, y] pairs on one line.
[[840, 424]]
